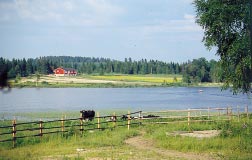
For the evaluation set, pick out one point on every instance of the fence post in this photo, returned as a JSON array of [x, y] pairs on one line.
[[208, 114], [140, 117], [219, 113], [81, 123], [246, 109], [238, 113], [98, 119], [230, 113], [188, 117], [40, 128], [114, 119], [14, 133], [62, 124], [128, 120]]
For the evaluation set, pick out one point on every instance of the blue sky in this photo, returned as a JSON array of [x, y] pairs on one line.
[[152, 29]]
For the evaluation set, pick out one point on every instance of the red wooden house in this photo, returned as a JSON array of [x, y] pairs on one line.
[[65, 72]]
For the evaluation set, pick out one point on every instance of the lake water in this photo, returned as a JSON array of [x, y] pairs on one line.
[[134, 99]]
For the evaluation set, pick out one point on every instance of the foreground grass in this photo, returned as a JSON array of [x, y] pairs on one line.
[[66, 146], [234, 142]]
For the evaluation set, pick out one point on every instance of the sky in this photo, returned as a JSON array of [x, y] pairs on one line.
[[117, 29]]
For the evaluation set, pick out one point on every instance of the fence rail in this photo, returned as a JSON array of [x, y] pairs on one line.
[[197, 114], [63, 126], [40, 128]]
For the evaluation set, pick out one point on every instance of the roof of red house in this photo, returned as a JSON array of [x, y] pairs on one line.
[[67, 69]]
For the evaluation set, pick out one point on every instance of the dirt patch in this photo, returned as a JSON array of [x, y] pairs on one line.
[[141, 143], [197, 134], [64, 79]]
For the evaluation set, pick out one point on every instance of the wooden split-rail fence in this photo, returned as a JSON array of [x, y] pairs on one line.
[[64, 125], [108, 122], [197, 115]]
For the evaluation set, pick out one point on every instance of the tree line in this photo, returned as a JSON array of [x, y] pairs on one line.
[[197, 70]]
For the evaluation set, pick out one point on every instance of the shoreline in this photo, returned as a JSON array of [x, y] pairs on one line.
[[112, 86], [105, 81]]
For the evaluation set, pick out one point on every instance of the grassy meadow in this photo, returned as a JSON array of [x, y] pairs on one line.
[[233, 142], [106, 81]]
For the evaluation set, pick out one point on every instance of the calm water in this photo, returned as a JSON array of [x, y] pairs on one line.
[[146, 99]]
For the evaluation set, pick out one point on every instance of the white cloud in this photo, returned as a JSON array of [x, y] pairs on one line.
[[189, 17], [100, 12], [68, 5], [104, 7], [188, 1], [76, 12], [187, 24], [37, 10]]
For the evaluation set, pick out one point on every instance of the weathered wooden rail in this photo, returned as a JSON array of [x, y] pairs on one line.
[[197, 114], [40, 128]]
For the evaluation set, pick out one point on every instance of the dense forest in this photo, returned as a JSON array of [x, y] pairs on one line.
[[197, 70]]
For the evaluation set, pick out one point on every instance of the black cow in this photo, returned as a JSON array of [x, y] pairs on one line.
[[88, 114]]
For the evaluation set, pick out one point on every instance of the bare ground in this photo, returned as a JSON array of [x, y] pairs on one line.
[[196, 134], [139, 142], [65, 79]]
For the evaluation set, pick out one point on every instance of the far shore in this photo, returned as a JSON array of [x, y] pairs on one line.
[[105, 81]]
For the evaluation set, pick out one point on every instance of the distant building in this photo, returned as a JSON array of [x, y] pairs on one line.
[[65, 72]]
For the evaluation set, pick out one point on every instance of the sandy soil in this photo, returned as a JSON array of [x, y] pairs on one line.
[[196, 134], [73, 80], [54, 79]]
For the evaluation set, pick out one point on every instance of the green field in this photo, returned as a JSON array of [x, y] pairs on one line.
[[151, 142], [98, 81], [159, 79], [105, 81]]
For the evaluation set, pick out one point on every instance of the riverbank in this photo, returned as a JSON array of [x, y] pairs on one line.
[[105, 81]]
